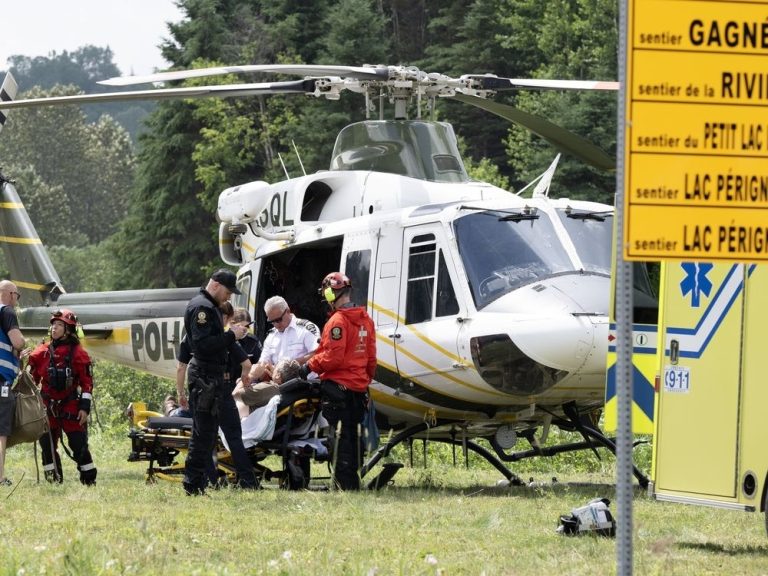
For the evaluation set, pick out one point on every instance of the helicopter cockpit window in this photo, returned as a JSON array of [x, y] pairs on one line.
[[501, 253], [591, 234], [445, 302], [421, 294]]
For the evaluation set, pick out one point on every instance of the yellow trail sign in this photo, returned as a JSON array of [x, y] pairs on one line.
[[696, 176]]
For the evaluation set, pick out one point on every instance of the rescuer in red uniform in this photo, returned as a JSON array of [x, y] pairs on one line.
[[63, 368], [345, 362]]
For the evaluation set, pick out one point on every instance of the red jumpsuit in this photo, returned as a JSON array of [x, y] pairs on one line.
[[346, 362], [347, 351], [67, 388]]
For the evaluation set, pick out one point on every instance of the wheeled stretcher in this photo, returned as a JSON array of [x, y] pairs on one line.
[[296, 441]]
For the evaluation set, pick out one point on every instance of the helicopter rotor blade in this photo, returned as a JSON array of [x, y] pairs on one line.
[[221, 91], [353, 72], [497, 84], [559, 137]]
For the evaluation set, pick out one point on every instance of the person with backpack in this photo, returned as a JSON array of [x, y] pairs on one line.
[[11, 344], [63, 368]]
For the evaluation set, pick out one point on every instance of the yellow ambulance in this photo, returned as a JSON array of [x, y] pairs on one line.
[[711, 430]]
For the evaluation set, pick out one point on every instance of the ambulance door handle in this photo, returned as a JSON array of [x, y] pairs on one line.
[[674, 351], [395, 336]]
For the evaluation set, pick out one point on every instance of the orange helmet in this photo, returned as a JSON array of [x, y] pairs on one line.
[[334, 285], [66, 316]]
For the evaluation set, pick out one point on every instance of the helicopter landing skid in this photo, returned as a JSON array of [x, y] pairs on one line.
[[592, 437], [391, 469], [591, 434]]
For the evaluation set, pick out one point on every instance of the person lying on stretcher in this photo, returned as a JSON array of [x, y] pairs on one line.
[[258, 403], [262, 389]]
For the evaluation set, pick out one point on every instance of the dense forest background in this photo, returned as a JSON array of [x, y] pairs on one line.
[[125, 196]]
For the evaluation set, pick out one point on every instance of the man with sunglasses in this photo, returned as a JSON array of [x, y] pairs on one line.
[[290, 338], [11, 345]]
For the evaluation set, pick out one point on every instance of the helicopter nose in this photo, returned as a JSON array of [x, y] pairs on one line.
[[572, 343], [553, 330], [535, 355]]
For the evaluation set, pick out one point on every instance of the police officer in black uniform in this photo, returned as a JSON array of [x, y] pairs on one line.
[[210, 344]]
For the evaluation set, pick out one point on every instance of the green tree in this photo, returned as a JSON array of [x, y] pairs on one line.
[[578, 40], [166, 240], [83, 170], [52, 217], [91, 268], [196, 149], [82, 68], [407, 25], [110, 153], [193, 150], [471, 37]]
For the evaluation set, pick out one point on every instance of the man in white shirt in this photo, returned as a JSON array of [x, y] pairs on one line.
[[291, 338]]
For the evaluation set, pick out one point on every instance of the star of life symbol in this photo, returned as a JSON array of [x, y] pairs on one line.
[[696, 281]]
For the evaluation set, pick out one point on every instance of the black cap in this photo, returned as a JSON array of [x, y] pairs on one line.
[[227, 279]]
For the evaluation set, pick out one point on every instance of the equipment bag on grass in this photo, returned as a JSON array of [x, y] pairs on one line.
[[30, 420]]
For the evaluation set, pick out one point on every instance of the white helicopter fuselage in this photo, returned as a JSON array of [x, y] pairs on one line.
[[490, 309], [478, 318]]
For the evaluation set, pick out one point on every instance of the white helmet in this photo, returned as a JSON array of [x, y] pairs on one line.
[[594, 517]]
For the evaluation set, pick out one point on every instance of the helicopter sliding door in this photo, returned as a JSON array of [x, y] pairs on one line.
[[383, 302], [425, 337]]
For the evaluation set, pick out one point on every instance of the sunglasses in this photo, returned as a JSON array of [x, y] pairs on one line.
[[280, 319]]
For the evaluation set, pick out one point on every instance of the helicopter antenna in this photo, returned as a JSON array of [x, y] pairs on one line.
[[283, 164], [542, 188], [298, 157], [542, 181]]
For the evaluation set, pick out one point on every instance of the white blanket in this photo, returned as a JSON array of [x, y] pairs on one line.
[[259, 425]]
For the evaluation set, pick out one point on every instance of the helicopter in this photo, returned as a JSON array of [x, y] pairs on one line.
[[490, 308]]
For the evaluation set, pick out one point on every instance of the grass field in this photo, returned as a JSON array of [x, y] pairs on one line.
[[435, 520]]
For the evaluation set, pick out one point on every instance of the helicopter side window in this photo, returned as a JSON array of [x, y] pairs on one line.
[[244, 285], [421, 279], [446, 163], [427, 270], [358, 270]]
